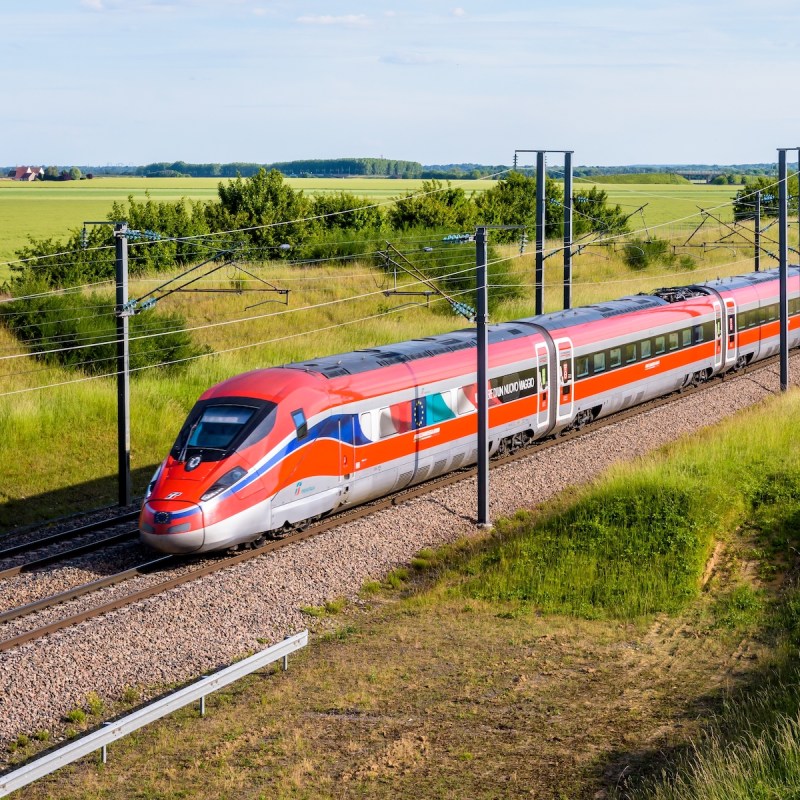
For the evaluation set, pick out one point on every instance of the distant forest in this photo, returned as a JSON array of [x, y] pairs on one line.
[[393, 168]]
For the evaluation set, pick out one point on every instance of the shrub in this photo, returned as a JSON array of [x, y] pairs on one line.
[[640, 253], [94, 704], [76, 715], [79, 331]]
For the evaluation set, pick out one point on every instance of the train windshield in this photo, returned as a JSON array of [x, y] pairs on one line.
[[219, 426], [215, 428]]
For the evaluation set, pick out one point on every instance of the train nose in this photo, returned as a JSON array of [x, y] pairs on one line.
[[172, 526]]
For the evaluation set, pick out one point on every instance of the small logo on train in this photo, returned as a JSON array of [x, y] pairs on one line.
[[297, 488], [173, 495]]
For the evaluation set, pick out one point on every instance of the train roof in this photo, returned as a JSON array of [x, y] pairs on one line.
[[365, 360], [402, 352], [743, 281], [577, 316], [360, 361]]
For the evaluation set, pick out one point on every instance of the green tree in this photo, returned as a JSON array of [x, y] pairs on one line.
[[345, 211], [744, 203], [75, 174], [512, 201], [591, 213], [265, 211], [433, 206]]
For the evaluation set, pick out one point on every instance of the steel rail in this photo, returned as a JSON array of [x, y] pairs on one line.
[[65, 555], [86, 588], [71, 533], [367, 509]]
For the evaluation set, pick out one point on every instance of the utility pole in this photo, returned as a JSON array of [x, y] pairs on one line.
[[758, 231], [483, 376], [783, 264], [568, 229], [540, 223], [123, 365], [541, 205]]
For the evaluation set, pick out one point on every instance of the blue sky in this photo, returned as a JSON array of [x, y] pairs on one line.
[[136, 81]]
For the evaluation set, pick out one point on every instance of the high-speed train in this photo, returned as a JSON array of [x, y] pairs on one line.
[[274, 448]]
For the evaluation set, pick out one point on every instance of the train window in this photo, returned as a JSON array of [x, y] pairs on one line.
[[698, 333], [772, 312], [395, 419], [385, 424], [686, 337], [762, 315], [365, 418], [673, 341], [614, 357], [752, 318], [582, 367], [630, 353], [466, 399], [661, 345], [438, 409], [217, 427], [646, 348], [300, 423], [598, 362], [794, 306]]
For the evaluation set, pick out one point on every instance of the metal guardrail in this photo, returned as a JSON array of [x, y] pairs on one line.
[[111, 731]]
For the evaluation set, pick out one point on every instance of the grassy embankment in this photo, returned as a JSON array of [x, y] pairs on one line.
[[587, 650]]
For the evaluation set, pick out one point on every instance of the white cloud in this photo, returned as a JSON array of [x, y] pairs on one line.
[[458, 12], [94, 5], [326, 19]]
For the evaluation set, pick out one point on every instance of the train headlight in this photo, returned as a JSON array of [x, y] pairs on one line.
[[228, 479], [152, 484]]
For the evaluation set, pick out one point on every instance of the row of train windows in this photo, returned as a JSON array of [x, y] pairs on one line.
[[642, 350], [760, 316], [435, 408], [413, 414]]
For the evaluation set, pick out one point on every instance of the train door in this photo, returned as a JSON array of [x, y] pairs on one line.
[[731, 349], [347, 455], [543, 385], [565, 381], [718, 355]]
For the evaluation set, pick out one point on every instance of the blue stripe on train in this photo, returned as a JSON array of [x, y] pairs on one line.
[[344, 428]]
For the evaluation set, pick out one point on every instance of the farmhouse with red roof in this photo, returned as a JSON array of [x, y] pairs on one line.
[[27, 173]]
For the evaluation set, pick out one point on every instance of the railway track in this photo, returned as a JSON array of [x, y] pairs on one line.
[[65, 535], [209, 566]]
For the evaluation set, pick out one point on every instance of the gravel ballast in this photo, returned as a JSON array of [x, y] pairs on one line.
[[208, 623]]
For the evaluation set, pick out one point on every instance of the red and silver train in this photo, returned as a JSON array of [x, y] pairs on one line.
[[274, 448]]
